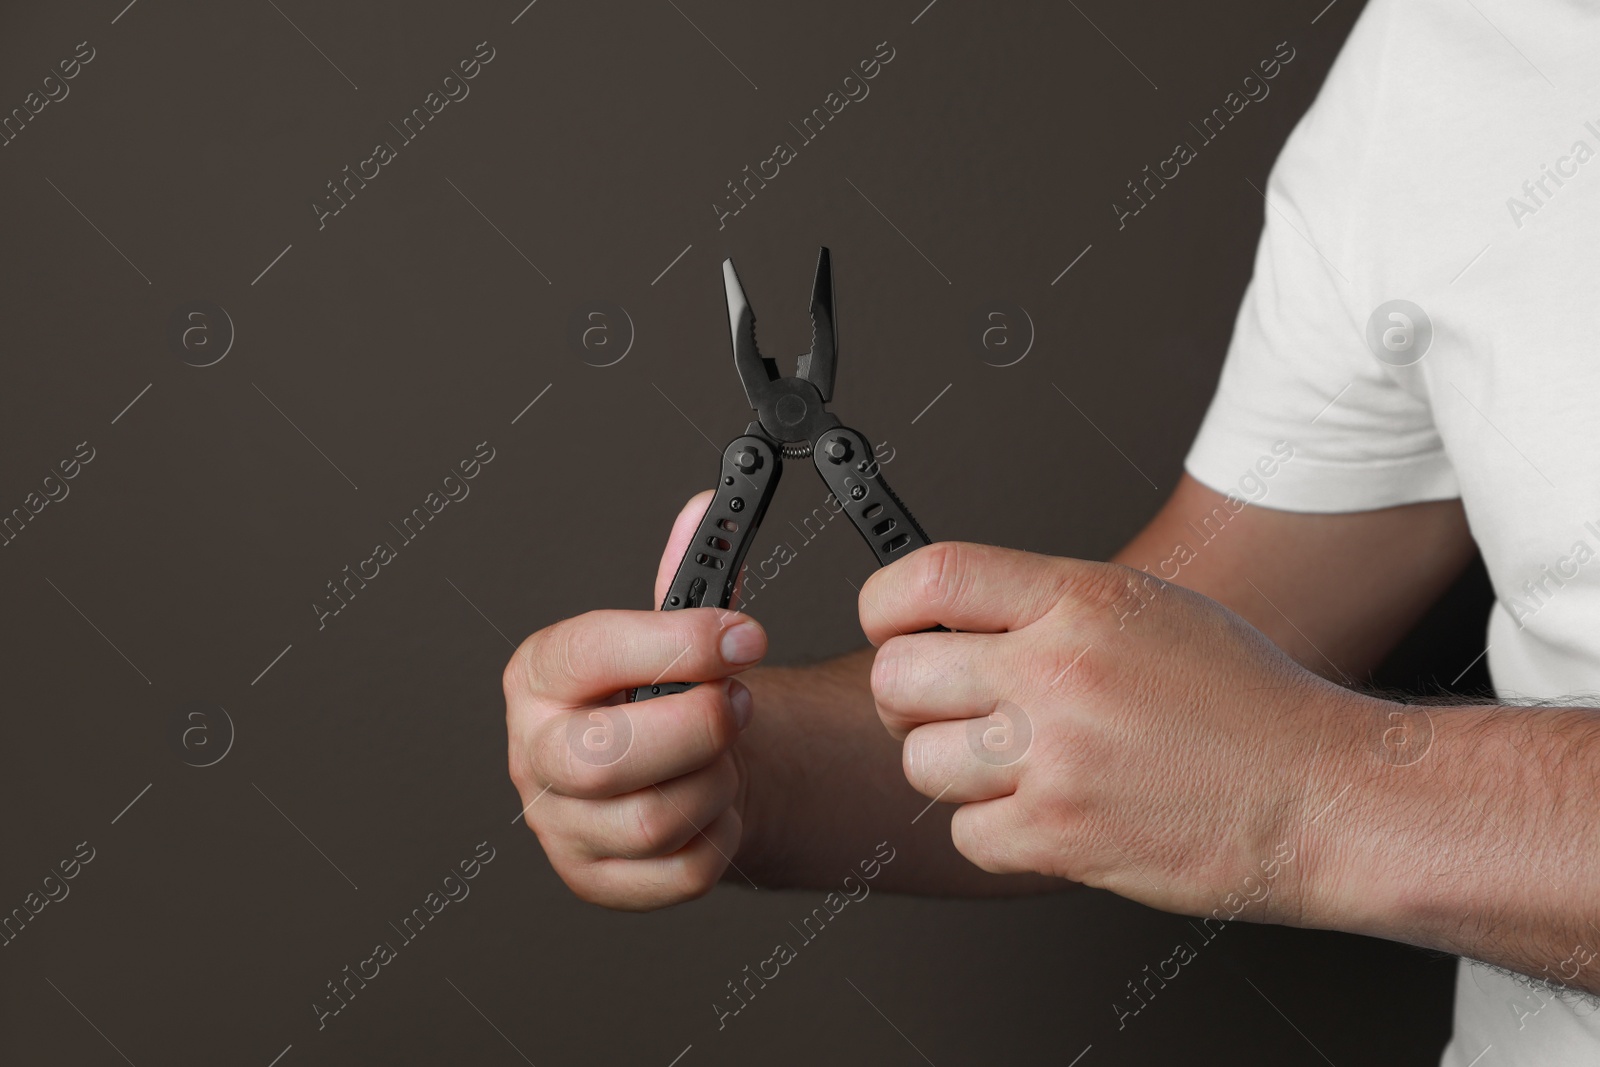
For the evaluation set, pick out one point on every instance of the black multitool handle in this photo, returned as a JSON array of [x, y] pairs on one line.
[[846, 462], [710, 566], [844, 459]]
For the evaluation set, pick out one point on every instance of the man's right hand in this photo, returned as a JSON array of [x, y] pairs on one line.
[[638, 806]]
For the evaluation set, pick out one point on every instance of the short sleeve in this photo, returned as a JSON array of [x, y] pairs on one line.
[[1305, 416]]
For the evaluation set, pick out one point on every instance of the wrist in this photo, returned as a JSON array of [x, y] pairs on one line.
[[758, 801], [1409, 851], [1356, 795]]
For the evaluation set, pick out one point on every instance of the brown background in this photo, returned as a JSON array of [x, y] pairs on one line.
[[408, 330]]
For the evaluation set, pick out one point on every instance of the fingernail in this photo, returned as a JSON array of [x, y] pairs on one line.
[[743, 643], [743, 703]]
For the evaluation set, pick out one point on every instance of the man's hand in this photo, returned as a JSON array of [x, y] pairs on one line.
[[1100, 725], [637, 806]]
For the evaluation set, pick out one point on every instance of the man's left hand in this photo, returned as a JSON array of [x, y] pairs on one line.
[[1101, 725]]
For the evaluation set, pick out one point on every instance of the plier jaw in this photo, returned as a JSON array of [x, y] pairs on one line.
[[793, 420], [791, 411]]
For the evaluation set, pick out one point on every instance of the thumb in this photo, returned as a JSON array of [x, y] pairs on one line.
[[678, 542]]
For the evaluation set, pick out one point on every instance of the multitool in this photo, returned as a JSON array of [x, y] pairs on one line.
[[793, 422]]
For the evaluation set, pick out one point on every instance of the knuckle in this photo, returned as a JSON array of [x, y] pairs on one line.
[[1073, 668], [941, 568], [891, 683], [1107, 587], [688, 646], [699, 872], [889, 666], [586, 781], [557, 764], [695, 879], [538, 756], [695, 629], [968, 835], [646, 885], [545, 656], [517, 678], [516, 765], [606, 883], [571, 653], [519, 753], [588, 891], [1095, 671], [586, 884], [556, 848], [898, 726], [915, 757], [965, 837], [560, 858], [651, 828], [710, 716]]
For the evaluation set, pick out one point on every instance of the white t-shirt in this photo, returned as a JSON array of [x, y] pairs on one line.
[[1451, 160]]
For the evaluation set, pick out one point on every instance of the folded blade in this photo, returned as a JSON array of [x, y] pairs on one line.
[[818, 365]]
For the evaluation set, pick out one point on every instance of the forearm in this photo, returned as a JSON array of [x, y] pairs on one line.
[[1336, 591], [826, 786], [1487, 846]]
